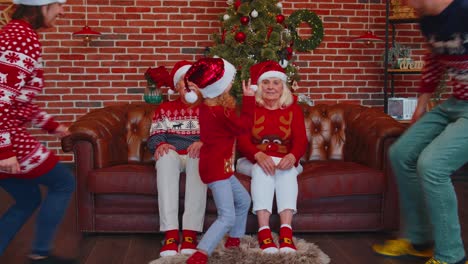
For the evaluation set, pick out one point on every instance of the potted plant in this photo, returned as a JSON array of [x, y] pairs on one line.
[[398, 54], [156, 78]]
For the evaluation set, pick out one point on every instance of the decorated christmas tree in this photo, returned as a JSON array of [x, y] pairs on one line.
[[256, 30]]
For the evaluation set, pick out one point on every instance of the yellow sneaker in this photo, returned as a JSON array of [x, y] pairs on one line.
[[401, 248]]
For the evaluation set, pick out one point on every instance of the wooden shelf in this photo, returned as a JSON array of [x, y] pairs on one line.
[[401, 20], [404, 71]]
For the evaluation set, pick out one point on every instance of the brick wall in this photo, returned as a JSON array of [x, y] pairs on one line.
[[137, 34]]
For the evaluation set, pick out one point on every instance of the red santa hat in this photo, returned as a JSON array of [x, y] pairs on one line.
[[211, 75], [37, 2], [179, 70], [264, 70]]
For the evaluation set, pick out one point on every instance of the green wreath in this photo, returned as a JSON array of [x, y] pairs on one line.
[[304, 15]]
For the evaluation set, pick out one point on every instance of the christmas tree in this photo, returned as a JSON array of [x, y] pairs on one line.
[[253, 31]]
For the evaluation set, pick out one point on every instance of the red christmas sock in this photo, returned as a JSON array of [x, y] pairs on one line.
[[232, 242], [286, 239], [189, 242], [171, 243], [198, 258], [265, 240]]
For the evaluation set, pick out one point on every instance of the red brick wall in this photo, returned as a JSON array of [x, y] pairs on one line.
[[137, 34]]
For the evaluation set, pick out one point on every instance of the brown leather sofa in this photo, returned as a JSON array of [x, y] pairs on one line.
[[346, 184]]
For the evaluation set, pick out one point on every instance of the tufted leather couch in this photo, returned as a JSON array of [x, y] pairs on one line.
[[346, 184]]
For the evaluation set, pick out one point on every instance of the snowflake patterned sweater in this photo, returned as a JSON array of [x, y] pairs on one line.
[[21, 79], [448, 36], [176, 124]]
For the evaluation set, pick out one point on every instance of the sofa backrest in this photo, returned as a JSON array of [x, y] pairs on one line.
[[335, 132], [348, 132], [138, 123]]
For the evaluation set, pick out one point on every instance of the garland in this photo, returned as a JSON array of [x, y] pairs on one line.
[[309, 17]]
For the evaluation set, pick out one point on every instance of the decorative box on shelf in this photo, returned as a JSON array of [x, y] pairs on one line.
[[401, 108]]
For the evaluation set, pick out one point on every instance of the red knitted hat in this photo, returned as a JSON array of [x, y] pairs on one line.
[[179, 70], [264, 70], [211, 75]]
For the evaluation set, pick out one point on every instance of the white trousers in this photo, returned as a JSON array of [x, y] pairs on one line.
[[264, 187], [168, 169]]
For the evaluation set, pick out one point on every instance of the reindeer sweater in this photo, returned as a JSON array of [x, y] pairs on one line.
[[174, 123], [448, 36], [21, 79], [276, 133]]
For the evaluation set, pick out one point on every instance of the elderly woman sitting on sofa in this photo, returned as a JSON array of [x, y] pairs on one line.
[[277, 142]]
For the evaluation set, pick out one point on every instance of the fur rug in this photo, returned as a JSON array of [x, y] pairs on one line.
[[249, 252]]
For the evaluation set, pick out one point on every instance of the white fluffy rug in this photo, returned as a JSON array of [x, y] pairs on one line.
[[249, 252]]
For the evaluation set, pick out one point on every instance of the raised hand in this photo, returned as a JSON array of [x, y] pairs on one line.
[[248, 91]]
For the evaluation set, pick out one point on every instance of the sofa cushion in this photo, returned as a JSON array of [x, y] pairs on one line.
[[321, 179], [338, 178], [128, 178]]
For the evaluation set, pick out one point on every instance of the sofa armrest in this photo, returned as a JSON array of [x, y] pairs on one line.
[[366, 134], [105, 130]]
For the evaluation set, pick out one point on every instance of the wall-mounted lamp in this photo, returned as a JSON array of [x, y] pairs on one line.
[[86, 32], [368, 37]]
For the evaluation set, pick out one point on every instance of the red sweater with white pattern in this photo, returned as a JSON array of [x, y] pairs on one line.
[[447, 33], [219, 128], [174, 123], [21, 79]]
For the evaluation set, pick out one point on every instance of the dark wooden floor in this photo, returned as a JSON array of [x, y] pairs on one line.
[[342, 248]]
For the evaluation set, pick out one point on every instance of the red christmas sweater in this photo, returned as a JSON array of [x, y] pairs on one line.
[[447, 33], [218, 130], [21, 79], [276, 133]]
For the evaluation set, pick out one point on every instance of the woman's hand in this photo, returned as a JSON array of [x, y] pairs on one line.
[[194, 149], [420, 110], [248, 91], [162, 150], [10, 165], [287, 162], [265, 162]]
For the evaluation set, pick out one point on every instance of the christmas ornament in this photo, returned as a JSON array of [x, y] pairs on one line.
[[280, 19], [283, 63], [289, 53], [223, 36], [237, 4], [226, 17], [279, 5], [244, 20], [240, 37], [254, 13], [270, 29]]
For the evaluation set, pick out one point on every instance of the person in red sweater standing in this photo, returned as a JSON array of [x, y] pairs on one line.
[[219, 126], [24, 162], [175, 143], [276, 143]]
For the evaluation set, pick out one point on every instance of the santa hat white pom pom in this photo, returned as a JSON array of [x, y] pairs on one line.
[[191, 97], [254, 87], [170, 91]]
